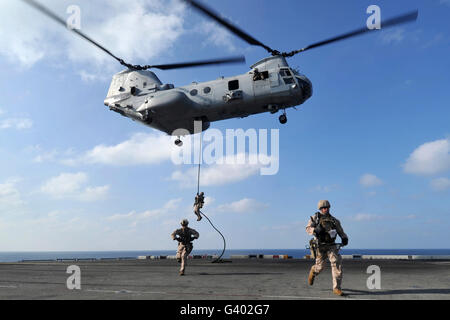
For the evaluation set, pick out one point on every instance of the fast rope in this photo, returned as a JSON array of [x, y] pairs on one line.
[[219, 259]]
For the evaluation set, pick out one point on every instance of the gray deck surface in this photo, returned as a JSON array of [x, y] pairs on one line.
[[241, 279]]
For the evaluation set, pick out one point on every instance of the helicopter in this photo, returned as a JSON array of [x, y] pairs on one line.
[[270, 86]]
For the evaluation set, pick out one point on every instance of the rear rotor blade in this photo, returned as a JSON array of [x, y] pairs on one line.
[[405, 18], [241, 34]]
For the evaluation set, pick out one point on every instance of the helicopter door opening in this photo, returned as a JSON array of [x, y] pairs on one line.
[[261, 86], [257, 76]]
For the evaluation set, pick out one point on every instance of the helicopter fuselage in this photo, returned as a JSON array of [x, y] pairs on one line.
[[270, 86]]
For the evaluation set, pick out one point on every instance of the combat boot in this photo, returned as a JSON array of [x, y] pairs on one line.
[[338, 292], [311, 277], [181, 273]]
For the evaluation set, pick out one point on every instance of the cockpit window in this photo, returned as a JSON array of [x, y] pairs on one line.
[[287, 76], [285, 73], [288, 80]]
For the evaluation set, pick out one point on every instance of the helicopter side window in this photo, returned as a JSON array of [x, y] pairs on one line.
[[288, 80], [194, 92], [287, 76], [285, 73], [233, 85], [207, 90]]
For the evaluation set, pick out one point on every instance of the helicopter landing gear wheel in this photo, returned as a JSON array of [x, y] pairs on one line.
[[178, 142], [283, 118]]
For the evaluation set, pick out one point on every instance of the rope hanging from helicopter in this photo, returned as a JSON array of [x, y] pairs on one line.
[[219, 259]]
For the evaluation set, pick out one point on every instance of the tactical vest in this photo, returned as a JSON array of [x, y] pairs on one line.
[[185, 236], [328, 222]]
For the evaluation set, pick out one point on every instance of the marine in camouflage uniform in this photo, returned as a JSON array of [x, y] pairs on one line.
[[325, 228], [184, 236], [198, 204]]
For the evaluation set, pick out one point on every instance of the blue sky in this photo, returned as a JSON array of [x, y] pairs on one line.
[[374, 139]]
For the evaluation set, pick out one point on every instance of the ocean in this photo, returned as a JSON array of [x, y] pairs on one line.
[[295, 253]]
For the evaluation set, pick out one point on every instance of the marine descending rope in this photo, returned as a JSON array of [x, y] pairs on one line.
[[219, 259]]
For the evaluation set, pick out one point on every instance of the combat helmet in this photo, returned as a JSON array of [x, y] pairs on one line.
[[323, 204], [184, 222]]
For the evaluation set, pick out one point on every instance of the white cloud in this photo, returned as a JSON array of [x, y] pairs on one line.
[[440, 184], [131, 29], [46, 156], [209, 201], [392, 36], [245, 205], [366, 217], [325, 189], [117, 217], [437, 39], [90, 194], [227, 170], [430, 158], [16, 123], [135, 217], [9, 194], [89, 77], [71, 185], [140, 149], [39, 155], [65, 183], [369, 180], [217, 35]]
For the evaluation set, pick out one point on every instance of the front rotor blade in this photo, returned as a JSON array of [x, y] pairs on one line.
[[405, 18], [53, 16], [241, 34], [240, 59]]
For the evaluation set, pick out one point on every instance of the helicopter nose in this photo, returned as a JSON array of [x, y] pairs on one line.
[[306, 86]]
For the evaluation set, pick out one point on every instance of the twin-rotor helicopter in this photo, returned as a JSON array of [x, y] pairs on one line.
[[270, 86]]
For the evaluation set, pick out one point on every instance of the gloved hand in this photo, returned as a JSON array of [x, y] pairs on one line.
[[345, 241]]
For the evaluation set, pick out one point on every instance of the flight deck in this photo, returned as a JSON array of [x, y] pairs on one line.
[[237, 279]]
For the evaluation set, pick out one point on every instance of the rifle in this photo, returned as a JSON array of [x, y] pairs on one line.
[[314, 246]]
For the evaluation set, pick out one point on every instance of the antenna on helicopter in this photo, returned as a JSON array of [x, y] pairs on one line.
[[50, 14], [405, 18]]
